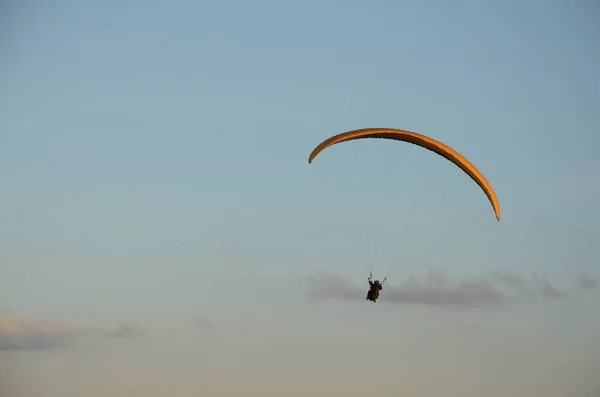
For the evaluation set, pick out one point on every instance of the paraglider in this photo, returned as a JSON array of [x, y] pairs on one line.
[[374, 288], [425, 142]]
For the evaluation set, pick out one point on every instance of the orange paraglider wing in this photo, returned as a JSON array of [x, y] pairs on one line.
[[419, 140]]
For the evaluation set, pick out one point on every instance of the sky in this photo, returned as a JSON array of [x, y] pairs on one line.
[[162, 231]]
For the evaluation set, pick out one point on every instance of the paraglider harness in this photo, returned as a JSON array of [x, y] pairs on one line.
[[374, 289]]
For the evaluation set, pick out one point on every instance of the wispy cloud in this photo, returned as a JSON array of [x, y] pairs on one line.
[[546, 288], [586, 283], [208, 326], [434, 290], [19, 333], [128, 331], [509, 278], [471, 293], [331, 285], [514, 280], [436, 278], [205, 324]]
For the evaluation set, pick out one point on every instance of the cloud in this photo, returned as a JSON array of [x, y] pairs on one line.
[[586, 282], [435, 290], [546, 288], [471, 293], [330, 285], [508, 278], [513, 280], [436, 278], [19, 333], [542, 284], [208, 326], [205, 324], [128, 331]]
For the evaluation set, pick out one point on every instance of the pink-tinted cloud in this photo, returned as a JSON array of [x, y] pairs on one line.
[[435, 290], [18, 333]]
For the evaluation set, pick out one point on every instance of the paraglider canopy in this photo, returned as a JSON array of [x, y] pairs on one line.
[[422, 141]]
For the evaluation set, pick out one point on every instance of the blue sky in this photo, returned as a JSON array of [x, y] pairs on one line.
[[153, 155]]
